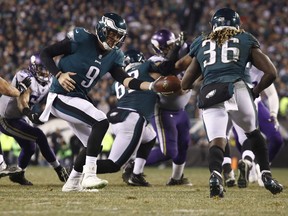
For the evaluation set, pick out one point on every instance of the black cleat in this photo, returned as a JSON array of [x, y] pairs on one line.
[[216, 185], [271, 184], [20, 178], [9, 170], [244, 169], [138, 180], [62, 173], [181, 181], [229, 179], [128, 170]]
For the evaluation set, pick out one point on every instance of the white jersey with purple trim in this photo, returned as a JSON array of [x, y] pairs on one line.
[[8, 105], [173, 101]]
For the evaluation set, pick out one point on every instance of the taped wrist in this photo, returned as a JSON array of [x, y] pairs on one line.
[[135, 84]]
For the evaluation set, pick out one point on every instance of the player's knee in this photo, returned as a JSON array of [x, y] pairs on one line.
[[104, 124], [220, 142], [30, 149], [112, 167]]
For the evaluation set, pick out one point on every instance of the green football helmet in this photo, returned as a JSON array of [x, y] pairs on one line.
[[111, 31]]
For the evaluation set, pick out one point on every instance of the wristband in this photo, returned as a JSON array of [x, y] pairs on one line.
[[151, 86], [135, 84]]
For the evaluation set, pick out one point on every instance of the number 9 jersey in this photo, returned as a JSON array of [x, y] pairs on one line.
[[87, 60]]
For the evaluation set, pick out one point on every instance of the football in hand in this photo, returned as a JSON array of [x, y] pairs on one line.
[[167, 84]]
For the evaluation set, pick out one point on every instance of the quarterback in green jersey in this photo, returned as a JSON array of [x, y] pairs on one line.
[[221, 58], [85, 58]]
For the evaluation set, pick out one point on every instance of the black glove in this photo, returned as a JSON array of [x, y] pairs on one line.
[[33, 117], [22, 86]]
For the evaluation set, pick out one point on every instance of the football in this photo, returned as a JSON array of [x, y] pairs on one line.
[[167, 84]]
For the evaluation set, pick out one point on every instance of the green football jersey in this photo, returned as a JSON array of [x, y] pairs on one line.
[[86, 60], [226, 63], [141, 101]]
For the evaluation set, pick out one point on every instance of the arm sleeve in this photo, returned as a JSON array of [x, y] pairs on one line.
[[48, 53], [118, 74], [272, 99]]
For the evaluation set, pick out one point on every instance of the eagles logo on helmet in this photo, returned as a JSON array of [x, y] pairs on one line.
[[111, 31]]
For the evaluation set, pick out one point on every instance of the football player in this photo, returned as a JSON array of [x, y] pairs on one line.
[[9, 90], [86, 57], [268, 106], [13, 121], [170, 120], [221, 57], [134, 134]]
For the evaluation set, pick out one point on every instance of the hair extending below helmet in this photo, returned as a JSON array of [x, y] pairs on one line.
[[111, 31], [162, 40], [38, 70], [133, 58], [225, 24]]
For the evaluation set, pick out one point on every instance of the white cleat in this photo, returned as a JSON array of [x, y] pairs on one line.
[[90, 180], [253, 175], [72, 184], [259, 175]]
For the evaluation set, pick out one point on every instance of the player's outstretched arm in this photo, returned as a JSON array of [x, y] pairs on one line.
[[7, 89]]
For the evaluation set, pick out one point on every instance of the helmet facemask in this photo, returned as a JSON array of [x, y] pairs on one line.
[[111, 31], [38, 70]]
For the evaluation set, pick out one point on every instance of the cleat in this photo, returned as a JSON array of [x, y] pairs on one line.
[[216, 185], [90, 180], [128, 170], [229, 179], [6, 170], [271, 184], [62, 173], [244, 167], [259, 175], [181, 181], [253, 174], [138, 180], [73, 184], [19, 178]]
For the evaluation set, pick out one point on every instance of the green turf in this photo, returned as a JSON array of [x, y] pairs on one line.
[[46, 198]]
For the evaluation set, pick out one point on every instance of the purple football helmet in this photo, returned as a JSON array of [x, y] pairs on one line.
[[162, 40], [38, 70]]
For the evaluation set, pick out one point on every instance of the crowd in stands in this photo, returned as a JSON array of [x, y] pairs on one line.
[[29, 25]]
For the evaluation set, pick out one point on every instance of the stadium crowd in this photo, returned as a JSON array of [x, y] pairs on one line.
[[28, 26]]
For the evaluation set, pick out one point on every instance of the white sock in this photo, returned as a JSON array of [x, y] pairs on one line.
[[90, 160], [177, 171], [139, 164], [75, 174], [226, 160], [55, 164]]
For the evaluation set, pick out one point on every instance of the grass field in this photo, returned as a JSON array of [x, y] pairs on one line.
[[46, 198]]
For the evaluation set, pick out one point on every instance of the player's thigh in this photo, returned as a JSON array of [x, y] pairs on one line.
[[128, 136], [148, 133], [76, 110], [215, 121], [246, 115]]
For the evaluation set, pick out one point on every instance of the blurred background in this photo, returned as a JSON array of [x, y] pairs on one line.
[[29, 25]]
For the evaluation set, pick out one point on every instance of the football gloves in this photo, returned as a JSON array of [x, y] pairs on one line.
[[33, 117], [24, 85]]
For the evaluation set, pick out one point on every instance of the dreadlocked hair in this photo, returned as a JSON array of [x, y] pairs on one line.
[[223, 35]]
